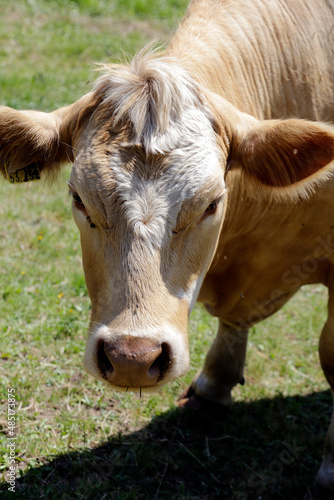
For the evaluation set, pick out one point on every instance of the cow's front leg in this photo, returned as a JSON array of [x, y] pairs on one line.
[[223, 369]]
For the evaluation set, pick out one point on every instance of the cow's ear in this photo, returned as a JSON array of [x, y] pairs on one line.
[[285, 153], [30, 139]]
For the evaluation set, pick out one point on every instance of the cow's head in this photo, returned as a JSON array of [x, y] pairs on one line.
[[149, 151]]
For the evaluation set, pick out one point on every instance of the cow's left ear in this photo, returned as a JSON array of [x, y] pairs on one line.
[[33, 141], [282, 153]]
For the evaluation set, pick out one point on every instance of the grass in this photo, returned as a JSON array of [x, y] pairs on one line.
[[75, 438]]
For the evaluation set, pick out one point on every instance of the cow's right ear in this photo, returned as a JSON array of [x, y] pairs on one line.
[[284, 159], [285, 155], [37, 140]]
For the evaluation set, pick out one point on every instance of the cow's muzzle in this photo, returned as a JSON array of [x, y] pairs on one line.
[[133, 361]]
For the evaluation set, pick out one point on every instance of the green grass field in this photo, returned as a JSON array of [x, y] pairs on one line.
[[75, 438]]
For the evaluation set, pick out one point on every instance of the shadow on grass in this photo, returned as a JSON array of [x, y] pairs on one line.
[[268, 449]]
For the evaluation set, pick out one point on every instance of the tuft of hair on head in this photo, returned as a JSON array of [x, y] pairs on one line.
[[148, 94]]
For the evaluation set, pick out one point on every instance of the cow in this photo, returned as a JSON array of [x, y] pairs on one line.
[[201, 172]]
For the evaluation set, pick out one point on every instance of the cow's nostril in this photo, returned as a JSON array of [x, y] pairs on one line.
[[160, 366], [133, 361], [104, 363]]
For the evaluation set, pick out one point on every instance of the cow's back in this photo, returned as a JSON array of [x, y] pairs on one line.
[[270, 58]]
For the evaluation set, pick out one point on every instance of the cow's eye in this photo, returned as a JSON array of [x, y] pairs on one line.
[[77, 201], [211, 209]]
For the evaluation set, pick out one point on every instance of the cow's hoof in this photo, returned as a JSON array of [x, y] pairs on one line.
[[192, 401]]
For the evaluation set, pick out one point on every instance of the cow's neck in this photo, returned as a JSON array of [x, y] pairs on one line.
[[250, 216]]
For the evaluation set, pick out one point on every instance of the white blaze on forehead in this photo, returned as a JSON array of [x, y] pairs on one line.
[[147, 210], [152, 205], [167, 114]]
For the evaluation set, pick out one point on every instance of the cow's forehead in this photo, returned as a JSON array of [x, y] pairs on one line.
[[110, 170], [185, 171]]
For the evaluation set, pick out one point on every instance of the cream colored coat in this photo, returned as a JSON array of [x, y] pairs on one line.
[[197, 175]]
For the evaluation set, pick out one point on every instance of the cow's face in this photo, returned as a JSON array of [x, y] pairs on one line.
[[149, 225]]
